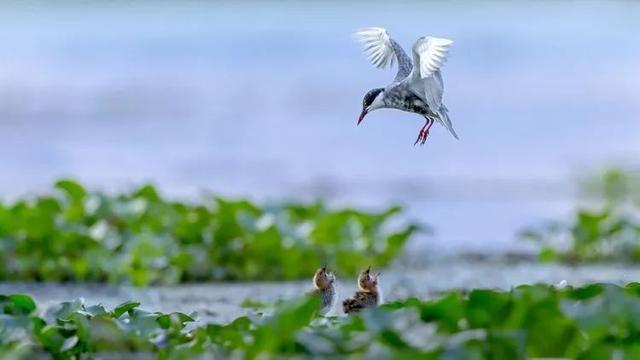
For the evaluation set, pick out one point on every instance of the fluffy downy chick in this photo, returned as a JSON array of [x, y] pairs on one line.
[[367, 296], [323, 287]]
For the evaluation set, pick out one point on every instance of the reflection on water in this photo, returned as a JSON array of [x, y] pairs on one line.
[[261, 99]]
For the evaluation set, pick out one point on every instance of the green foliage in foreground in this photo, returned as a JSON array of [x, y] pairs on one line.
[[597, 321], [609, 230], [140, 238]]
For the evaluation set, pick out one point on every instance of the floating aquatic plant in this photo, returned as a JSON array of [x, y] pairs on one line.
[[141, 238]]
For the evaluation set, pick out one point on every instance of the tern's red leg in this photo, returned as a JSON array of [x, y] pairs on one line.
[[419, 137], [426, 132], [422, 135]]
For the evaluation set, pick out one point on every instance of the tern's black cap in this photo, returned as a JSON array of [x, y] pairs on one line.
[[370, 96]]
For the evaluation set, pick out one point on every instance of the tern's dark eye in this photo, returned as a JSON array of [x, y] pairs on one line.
[[370, 96], [368, 99]]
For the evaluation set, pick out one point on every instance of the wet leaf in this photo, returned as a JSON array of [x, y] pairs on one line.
[[124, 307], [17, 304], [69, 343], [74, 190]]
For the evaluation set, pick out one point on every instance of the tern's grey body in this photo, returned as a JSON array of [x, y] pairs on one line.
[[418, 85]]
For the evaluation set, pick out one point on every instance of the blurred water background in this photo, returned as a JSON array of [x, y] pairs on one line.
[[260, 99]]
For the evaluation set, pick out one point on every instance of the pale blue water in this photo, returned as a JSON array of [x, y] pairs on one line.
[[261, 99]]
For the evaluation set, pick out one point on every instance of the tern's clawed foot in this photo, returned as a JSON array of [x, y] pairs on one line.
[[418, 139], [422, 137]]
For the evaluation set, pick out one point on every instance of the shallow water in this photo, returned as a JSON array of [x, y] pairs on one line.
[[220, 302], [260, 100]]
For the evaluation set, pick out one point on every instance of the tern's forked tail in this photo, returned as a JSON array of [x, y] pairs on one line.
[[443, 116]]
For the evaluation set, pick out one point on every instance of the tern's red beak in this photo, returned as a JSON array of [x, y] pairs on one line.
[[362, 115]]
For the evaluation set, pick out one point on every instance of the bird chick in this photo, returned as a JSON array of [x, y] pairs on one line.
[[323, 288], [367, 296]]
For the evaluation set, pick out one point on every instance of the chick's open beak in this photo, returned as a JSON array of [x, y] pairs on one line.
[[362, 115]]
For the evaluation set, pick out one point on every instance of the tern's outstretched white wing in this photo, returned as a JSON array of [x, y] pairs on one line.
[[377, 45], [382, 50], [429, 54]]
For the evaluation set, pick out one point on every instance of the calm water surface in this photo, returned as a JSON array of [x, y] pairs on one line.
[[220, 302]]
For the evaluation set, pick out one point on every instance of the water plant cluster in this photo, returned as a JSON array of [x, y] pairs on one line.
[[596, 321], [138, 237], [605, 226]]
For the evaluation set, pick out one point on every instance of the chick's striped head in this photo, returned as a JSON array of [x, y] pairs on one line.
[[323, 278], [368, 281]]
